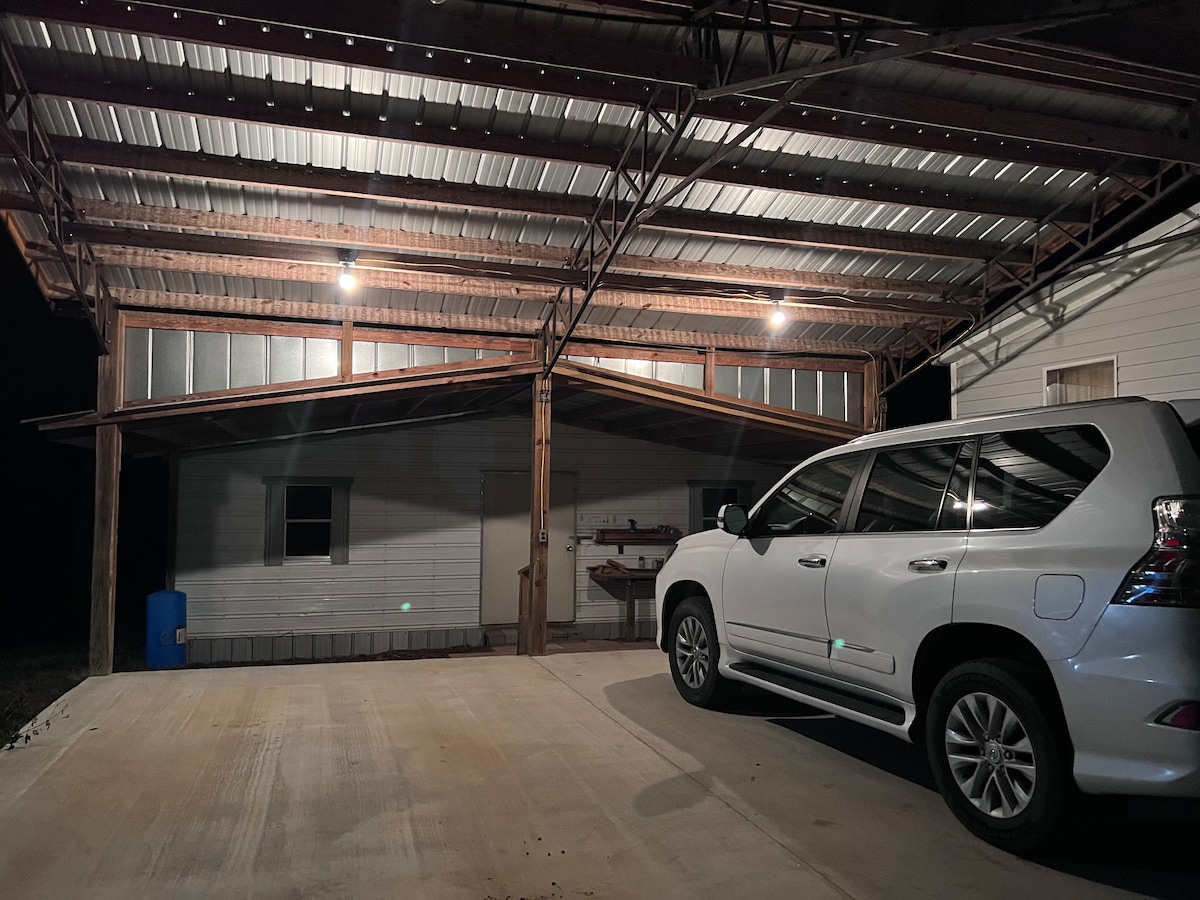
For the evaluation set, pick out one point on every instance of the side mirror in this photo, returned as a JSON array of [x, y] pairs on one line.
[[732, 519]]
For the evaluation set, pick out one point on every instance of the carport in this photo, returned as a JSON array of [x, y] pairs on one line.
[[571, 775]]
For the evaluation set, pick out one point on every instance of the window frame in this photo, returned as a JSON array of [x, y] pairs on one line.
[[982, 436], [1077, 364], [276, 520], [845, 511], [745, 491], [858, 487]]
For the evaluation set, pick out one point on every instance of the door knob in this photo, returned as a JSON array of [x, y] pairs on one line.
[[570, 546]]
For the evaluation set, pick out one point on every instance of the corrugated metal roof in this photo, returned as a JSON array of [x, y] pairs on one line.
[[141, 89]]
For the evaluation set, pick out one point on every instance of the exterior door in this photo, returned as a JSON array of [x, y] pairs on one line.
[[891, 580], [506, 498], [773, 591]]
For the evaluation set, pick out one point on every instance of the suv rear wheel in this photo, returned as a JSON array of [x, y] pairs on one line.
[[997, 754], [694, 654]]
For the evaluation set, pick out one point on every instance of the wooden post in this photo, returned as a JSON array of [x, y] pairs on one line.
[[347, 367], [531, 627], [710, 372], [871, 404], [104, 534]]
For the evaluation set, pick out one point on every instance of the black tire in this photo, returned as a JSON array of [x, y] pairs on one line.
[[1000, 754], [694, 652]]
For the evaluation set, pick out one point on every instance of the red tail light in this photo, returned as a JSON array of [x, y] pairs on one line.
[[1169, 573], [1182, 715]]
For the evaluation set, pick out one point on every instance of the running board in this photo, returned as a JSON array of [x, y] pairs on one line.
[[885, 712]]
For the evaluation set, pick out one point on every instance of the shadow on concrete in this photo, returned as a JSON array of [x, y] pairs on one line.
[[1141, 845], [1138, 844]]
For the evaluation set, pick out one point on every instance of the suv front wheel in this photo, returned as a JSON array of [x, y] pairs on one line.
[[694, 654], [997, 754]]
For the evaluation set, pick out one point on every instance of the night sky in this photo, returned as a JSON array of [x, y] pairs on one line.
[[50, 368]]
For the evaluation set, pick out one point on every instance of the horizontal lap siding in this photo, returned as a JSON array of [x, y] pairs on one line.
[[1151, 326], [414, 527]]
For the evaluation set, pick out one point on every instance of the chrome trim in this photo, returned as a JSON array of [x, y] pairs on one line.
[[794, 634]]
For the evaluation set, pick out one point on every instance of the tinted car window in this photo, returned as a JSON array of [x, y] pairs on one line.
[[906, 488], [811, 502], [1026, 478]]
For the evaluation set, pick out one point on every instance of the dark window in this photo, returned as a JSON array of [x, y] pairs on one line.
[[907, 486], [707, 498], [307, 520], [811, 502], [1026, 478]]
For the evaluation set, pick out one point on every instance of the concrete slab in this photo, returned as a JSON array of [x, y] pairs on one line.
[[575, 775]]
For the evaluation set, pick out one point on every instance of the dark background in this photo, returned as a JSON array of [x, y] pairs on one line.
[[49, 369]]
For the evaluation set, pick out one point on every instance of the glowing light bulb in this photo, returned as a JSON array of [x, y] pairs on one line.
[[346, 281], [778, 317]]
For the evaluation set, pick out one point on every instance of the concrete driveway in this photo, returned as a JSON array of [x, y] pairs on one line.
[[577, 775]]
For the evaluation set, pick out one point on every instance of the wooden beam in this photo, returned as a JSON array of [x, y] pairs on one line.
[[372, 186], [346, 349], [283, 176], [757, 359], [662, 337], [299, 310], [927, 111], [531, 630], [871, 406], [671, 278], [308, 179], [715, 225], [109, 375], [671, 396], [323, 312], [104, 549], [393, 239], [462, 375], [323, 119], [832, 310]]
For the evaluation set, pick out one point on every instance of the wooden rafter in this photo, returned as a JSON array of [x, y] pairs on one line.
[[394, 239], [442, 322], [833, 310], [774, 230], [964, 197]]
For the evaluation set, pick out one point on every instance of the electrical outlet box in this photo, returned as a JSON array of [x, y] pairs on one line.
[[596, 520]]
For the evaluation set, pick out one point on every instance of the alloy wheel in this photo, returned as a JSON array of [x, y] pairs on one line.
[[990, 755], [691, 652]]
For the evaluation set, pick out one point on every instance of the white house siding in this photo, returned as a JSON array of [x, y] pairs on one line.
[[1142, 310], [415, 530]]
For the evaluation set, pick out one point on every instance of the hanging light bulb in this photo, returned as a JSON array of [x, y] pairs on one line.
[[778, 316], [346, 280]]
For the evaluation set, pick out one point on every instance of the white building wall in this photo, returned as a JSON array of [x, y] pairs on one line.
[[1142, 310], [415, 524]]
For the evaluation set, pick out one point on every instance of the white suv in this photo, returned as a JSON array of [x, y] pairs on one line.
[[1020, 592]]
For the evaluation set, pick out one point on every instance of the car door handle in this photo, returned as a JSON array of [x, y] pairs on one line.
[[816, 561], [927, 565]]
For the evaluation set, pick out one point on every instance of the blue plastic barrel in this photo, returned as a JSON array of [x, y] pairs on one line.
[[166, 630]]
